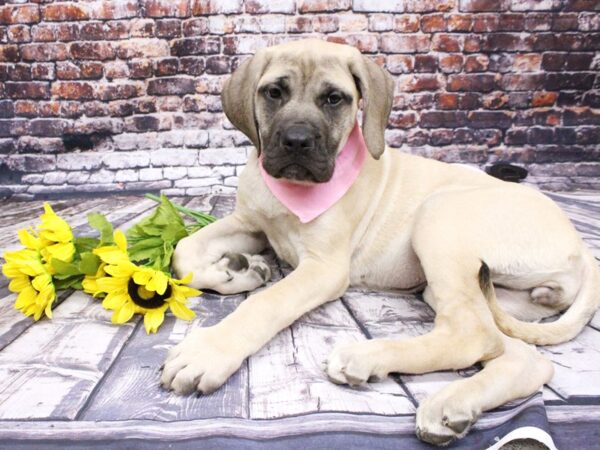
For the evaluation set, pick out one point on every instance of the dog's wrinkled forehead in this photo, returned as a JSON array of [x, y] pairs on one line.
[[293, 64]]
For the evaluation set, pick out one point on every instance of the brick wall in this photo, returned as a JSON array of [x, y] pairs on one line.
[[123, 95]]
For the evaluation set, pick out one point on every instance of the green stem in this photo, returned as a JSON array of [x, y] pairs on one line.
[[198, 216]]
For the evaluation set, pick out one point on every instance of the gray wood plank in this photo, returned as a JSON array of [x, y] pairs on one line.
[[131, 390], [49, 371]]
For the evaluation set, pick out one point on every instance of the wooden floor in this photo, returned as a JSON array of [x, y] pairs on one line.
[[79, 375]]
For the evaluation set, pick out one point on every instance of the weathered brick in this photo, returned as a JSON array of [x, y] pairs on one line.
[[414, 83], [44, 52], [165, 8], [18, 33], [113, 9], [433, 23], [9, 53], [126, 160], [104, 30], [563, 81], [19, 14], [472, 82], [207, 7], [312, 6], [33, 89], [451, 63], [92, 50], [567, 61], [266, 6], [142, 48], [240, 45], [406, 23], [522, 82], [393, 43], [168, 28], [62, 12], [171, 86], [483, 5], [442, 119], [400, 63], [140, 68], [73, 90], [394, 6], [196, 46]]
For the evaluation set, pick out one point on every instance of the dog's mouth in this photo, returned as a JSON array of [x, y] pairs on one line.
[[297, 172]]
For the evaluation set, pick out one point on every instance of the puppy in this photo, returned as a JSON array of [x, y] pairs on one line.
[[404, 222]]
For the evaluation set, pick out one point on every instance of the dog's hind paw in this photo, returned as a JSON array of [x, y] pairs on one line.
[[354, 364]]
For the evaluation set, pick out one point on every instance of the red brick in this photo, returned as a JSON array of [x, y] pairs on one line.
[[140, 68], [43, 71], [19, 14], [9, 53], [218, 64], [92, 50], [447, 42], [298, 24], [115, 91], [442, 119], [476, 63], [460, 22], [538, 22], [447, 101], [483, 5], [522, 82], [565, 21], [195, 27], [27, 108], [166, 66], [19, 72], [494, 100], [104, 30], [366, 43], [73, 90], [67, 31], [142, 28], [535, 5], [311, 6], [63, 12], [168, 28], [199, 46], [529, 62], [490, 119], [116, 69], [44, 52], [32, 89], [511, 22], [423, 6], [406, 23], [433, 23], [472, 82], [393, 43], [563, 81], [403, 119], [451, 63], [114, 9], [19, 33], [191, 65], [483, 23], [171, 86], [415, 83], [542, 98], [400, 63], [43, 33], [267, 6], [326, 24], [507, 42], [565, 61], [165, 8], [426, 63]]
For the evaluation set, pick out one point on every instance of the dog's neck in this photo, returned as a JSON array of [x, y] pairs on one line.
[[308, 202]]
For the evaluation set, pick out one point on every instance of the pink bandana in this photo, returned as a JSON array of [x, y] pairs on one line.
[[310, 201]]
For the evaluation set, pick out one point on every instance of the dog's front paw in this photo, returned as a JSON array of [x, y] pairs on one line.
[[354, 364], [444, 417], [202, 362]]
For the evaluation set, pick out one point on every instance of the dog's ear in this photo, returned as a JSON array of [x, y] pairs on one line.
[[238, 96], [376, 87]]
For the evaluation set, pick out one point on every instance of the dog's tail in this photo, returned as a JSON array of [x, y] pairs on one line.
[[566, 327]]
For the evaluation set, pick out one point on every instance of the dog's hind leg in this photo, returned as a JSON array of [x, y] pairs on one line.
[[223, 256], [520, 371]]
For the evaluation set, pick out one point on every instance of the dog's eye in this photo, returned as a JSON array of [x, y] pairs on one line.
[[334, 98], [274, 93]]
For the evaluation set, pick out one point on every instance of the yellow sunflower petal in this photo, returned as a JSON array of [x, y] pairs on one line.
[[123, 314], [25, 298], [28, 240], [63, 251], [181, 311], [111, 284], [142, 276], [153, 319], [158, 283], [114, 300], [17, 284], [120, 240]]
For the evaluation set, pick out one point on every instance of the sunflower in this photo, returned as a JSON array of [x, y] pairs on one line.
[[31, 280], [132, 289]]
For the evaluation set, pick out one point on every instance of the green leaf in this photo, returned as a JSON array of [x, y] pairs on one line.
[[86, 244], [100, 223], [89, 263], [63, 268]]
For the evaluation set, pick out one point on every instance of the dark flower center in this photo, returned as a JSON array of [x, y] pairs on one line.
[[147, 299]]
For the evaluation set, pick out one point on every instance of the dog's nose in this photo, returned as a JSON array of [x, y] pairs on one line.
[[298, 138]]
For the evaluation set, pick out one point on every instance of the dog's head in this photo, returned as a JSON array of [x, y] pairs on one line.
[[297, 103]]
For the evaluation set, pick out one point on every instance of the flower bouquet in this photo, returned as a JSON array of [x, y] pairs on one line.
[[129, 272]]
